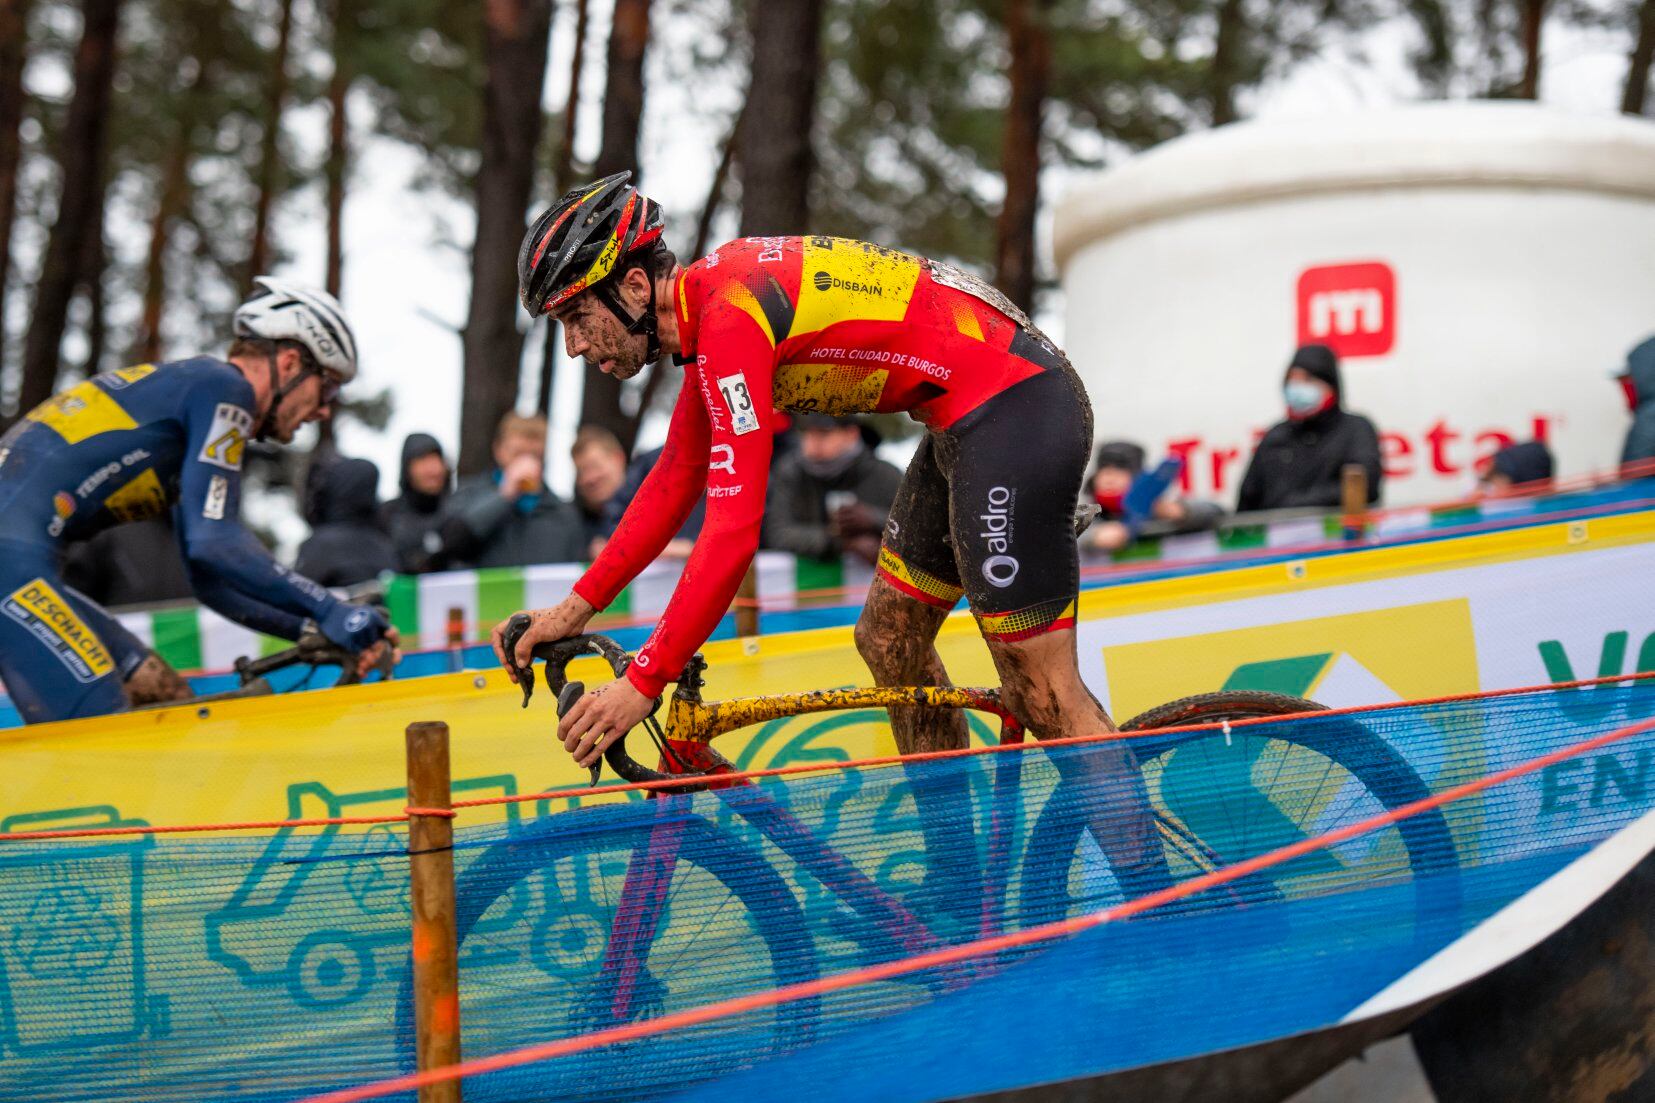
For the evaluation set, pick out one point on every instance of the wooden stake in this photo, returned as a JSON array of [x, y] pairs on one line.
[[431, 894], [1353, 495], [747, 603]]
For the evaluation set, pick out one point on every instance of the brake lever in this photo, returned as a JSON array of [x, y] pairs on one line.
[[572, 692], [515, 627]]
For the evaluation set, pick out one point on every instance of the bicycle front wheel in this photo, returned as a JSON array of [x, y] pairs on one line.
[[554, 943], [1220, 797]]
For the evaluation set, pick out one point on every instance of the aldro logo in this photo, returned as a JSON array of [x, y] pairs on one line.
[[999, 569], [827, 281]]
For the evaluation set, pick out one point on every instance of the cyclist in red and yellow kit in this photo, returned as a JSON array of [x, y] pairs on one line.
[[817, 323]]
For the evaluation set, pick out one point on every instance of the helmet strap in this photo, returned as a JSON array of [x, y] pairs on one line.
[[278, 394], [608, 292]]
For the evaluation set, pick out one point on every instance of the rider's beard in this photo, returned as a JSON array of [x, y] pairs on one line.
[[627, 360]]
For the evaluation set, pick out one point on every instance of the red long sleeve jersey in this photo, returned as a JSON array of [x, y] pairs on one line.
[[801, 324]]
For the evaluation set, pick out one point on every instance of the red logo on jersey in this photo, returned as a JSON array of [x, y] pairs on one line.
[[1348, 307]]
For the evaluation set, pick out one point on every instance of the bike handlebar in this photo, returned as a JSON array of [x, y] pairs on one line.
[[313, 649], [558, 655]]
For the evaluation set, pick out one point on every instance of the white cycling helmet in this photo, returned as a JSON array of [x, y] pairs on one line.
[[282, 311]]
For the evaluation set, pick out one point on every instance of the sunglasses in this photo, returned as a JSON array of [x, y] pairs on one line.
[[330, 386]]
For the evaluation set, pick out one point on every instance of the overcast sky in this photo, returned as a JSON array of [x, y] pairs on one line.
[[398, 284]]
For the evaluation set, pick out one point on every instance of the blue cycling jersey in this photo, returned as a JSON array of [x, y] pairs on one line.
[[127, 445]]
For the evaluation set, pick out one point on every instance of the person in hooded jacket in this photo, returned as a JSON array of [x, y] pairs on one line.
[[1638, 380], [348, 543], [1299, 462], [832, 496], [413, 518]]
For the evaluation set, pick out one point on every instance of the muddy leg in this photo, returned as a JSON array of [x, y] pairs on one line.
[[1040, 678], [896, 637], [154, 681]]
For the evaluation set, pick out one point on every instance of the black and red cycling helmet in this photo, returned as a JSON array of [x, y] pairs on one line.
[[578, 243]]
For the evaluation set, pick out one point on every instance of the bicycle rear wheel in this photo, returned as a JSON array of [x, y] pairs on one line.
[[1222, 797], [538, 914]]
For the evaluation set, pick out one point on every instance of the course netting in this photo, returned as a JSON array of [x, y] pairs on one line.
[[1321, 858]]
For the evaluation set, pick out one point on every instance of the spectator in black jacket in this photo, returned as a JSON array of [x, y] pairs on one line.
[[831, 497], [1117, 470], [508, 517], [412, 517], [1516, 470], [348, 543], [1300, 460]]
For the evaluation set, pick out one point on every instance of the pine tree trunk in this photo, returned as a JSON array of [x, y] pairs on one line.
[[169, 205], [1226, 64], [623, 113], [1031, 62], [563, 162], [777, 119], [1643, 53], [13, 18], [82, 162], [93, 264], [1534, 18], [258, 256], [339, 85], [516, 34], [562, 180], [715, 192]]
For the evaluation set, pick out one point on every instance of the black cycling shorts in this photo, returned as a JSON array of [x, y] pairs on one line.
[[987, 508]]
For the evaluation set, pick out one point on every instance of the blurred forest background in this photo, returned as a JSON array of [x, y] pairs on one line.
[[145, 144]]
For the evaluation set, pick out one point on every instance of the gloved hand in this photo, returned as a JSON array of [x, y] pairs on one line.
[[354, 627]]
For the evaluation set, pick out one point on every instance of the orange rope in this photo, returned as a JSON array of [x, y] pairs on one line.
[[1045, 933]]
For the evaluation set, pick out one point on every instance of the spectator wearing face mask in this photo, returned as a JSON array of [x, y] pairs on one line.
[[1300, 461], [1516, 470], [831, 496], [1637, 379], [412, 517], [1135, 503]]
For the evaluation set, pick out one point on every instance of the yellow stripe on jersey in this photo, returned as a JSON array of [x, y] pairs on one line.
[[737, 295], [828, 388], [852, 281], [966, 322], [81, 412]]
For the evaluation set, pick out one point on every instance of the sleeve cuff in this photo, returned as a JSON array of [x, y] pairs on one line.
[[583, 590], [651, 685]]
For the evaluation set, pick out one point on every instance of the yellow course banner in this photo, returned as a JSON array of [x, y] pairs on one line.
[[1450, 616]]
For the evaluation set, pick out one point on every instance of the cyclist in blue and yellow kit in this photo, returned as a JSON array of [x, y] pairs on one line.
[[129, 444]]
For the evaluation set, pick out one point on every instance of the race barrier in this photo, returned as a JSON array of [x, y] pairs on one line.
[[1521, 607], [1318, 877]]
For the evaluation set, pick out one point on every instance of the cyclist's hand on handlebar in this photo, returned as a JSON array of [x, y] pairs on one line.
[[367, 660], [601, 717], [567, 618], [354, 627]]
